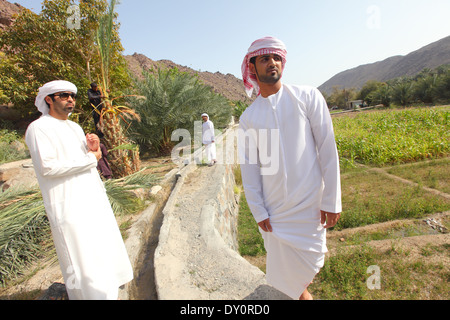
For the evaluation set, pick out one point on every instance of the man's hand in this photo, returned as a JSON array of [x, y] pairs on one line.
[[330, 218], [93, 142], [97, 153], [265, 225]]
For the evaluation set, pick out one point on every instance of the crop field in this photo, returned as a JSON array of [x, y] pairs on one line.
[[395, 176], [393, 137]]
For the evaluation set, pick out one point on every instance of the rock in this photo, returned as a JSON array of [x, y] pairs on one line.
[[7, 12], [57, 291], [435, 225], [154, 190], [17, 173]]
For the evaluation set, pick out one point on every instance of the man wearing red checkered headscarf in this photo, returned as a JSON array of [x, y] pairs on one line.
[[264, 46], [290, 169]]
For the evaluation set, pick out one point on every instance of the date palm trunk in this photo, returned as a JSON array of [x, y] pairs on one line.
[[123, 161], [123, 156]]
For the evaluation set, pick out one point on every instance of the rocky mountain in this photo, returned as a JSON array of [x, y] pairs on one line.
[[225, 84], [7, 12], [430, 56]]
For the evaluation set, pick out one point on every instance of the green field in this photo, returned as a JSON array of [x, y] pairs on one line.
[[389, 137], [382, 214]]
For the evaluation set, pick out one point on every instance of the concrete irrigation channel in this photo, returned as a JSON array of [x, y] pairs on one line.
[[185, 248]]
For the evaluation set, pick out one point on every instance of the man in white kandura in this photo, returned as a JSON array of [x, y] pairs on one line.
[[209, 139], [293, 196], [89, 246]]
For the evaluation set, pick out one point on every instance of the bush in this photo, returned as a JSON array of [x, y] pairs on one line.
[[12, 147]]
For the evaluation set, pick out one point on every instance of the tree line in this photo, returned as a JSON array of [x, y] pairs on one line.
[[427, 87]]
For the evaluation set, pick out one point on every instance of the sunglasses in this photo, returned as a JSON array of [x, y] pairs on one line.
[[64, 96]]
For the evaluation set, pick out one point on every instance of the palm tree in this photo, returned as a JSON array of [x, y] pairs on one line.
[[124, 157], [402, 92], [382, 95], [425, 88], [174, 100], [443, 86]]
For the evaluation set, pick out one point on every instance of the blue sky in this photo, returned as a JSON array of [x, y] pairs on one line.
[[323, 37]]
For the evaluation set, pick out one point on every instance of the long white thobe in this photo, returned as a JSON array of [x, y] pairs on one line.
[[290, 172], [89, 246], [208, 139]]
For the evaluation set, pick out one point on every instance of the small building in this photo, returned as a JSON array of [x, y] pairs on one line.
[[354, 104]]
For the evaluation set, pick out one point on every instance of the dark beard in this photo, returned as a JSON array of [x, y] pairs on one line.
[[269, 79]]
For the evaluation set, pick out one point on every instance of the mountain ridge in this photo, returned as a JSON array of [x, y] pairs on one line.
[[430, 56], [7, 12], [227, 85]]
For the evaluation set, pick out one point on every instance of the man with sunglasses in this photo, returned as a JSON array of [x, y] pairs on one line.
[[90, 249]]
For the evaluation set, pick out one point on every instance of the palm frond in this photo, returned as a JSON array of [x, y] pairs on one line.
[[24, 228], [122, 199], [104, 41]]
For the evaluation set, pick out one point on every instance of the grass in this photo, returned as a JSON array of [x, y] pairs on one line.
[[370, 197], [393, 137], [396, 141], [249, 237], [12, 146], [431, 174], [24, 228], [345, 275]]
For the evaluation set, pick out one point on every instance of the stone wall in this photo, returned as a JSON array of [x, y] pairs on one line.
[[227, 209], [226, 200]]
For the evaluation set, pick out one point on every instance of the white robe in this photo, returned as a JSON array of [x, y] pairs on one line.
[[90, 248], [289, 174], [208, 138]]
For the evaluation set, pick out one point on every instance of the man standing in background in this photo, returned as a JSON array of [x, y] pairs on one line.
[[209, 139], [95, 98]]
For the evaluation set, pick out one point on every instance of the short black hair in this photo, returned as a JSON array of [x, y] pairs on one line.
[[253, 60], [52, 96]]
